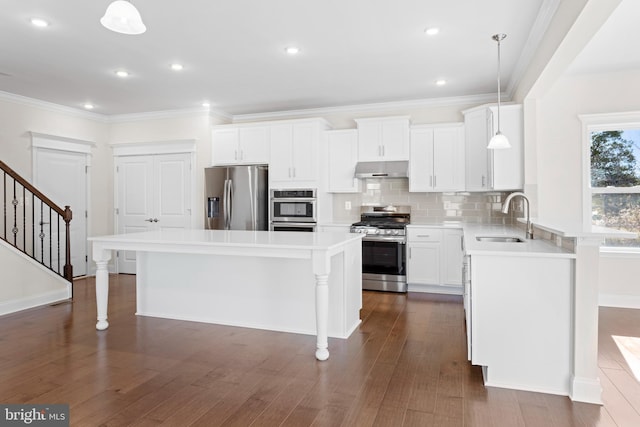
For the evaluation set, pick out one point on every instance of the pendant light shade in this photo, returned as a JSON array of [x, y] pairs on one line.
[[123, 17], [499, 141]]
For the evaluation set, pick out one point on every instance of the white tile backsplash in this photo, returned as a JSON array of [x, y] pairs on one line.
[[465, 207]]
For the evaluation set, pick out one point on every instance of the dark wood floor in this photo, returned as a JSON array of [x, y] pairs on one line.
[[405, 366]]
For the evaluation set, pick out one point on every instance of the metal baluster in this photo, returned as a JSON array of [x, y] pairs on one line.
[[50, 242], [33, 225], [58, 244], [24, 219], [4, 204], [41, 232], [14, 202]]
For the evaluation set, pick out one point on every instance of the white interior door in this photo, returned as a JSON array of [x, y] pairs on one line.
[[62, 177], [154, 191], [135, 202]]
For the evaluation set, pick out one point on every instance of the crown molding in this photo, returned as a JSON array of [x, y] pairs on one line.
[[50, 106], [539, 28], [364, 108], [167, 114]]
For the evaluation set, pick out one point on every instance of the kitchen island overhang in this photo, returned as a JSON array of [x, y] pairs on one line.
[[284, 281]]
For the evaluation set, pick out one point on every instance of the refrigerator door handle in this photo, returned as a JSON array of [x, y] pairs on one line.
[[230, 202], [225, 201]]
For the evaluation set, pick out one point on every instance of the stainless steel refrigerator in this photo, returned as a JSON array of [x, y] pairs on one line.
[[237, 197]]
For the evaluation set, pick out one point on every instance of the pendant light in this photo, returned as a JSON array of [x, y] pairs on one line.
[[123, 17], [499, 141]]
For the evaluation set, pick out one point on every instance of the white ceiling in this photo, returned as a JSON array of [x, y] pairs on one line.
[[353, 52], [615, 46]]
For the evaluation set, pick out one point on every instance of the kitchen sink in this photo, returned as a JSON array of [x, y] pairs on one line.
[[499, 239]]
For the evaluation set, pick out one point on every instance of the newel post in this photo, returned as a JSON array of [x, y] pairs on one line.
[[68, 268]]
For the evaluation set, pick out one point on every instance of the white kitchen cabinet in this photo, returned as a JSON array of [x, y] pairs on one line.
[[434, 259], [519, 320], [437, 158], [240, 145], [423, 255], [342, 156], [383, 139], [493, 169], [295, 154]]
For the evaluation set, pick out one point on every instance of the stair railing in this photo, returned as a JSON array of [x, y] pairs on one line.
[[33, 224]]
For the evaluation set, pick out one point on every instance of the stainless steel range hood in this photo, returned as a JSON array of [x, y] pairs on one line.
[[397, 169]]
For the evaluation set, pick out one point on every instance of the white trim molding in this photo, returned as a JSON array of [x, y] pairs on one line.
[[61, 143], [154, 147]]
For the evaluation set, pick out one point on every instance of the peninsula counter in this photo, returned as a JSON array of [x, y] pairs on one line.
[[308, 283]]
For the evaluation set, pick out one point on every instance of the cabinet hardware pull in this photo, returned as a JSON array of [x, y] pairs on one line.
[[424, 235]]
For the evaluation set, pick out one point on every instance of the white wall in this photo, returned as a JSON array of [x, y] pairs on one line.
[[559, 162]]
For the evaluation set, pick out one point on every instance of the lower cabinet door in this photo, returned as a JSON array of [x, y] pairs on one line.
[[423, 263]]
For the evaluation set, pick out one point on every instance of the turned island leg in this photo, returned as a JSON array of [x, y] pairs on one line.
[[321, 269], [322, 316], [101, 257]]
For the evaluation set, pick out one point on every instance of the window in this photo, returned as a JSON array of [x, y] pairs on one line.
[[615, 180]]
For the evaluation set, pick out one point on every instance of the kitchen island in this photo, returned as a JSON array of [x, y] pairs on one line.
[[306, 283]]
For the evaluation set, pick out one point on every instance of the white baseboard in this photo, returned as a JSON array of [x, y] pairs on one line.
[[587, 390], [618, 300], [15, 305], [436, 289]]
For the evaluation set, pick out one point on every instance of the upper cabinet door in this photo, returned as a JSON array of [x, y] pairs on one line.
[[382, 139], [304, 152], [421, 161], [448, 159], [281, 138], [342, 154], [395, 139], [254, 145], [225, 146]]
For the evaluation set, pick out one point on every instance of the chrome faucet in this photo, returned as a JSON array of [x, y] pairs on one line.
[[505, 209]]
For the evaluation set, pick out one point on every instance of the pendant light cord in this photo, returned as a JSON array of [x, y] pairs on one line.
[[499, 38]]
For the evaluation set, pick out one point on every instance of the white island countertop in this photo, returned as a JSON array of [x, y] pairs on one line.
[[529, 247], [206, 239]]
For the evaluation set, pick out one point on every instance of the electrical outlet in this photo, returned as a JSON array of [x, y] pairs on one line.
[[347, 205]]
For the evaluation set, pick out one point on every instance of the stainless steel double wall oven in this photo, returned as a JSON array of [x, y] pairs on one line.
[[293, 210]]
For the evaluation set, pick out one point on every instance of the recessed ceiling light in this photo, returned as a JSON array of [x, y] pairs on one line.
[[441, 82], [177, 67], [292, 50], [432, 31], [39, 22], [88, 106], [206, 104], [122, 73]]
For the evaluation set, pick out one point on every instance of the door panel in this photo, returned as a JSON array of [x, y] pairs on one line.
[[61, 176], [135, 202], [172, 190]]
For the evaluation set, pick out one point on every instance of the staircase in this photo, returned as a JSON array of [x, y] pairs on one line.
[[37, 231]]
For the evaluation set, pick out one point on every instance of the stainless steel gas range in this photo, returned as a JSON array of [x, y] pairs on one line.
[[384, 247]]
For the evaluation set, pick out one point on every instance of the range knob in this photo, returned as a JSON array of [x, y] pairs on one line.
[[395, 232]]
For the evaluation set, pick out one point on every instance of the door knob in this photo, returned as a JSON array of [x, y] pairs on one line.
[[149, 220]]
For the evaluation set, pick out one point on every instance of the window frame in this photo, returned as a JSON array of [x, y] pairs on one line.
[[598, 123]]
